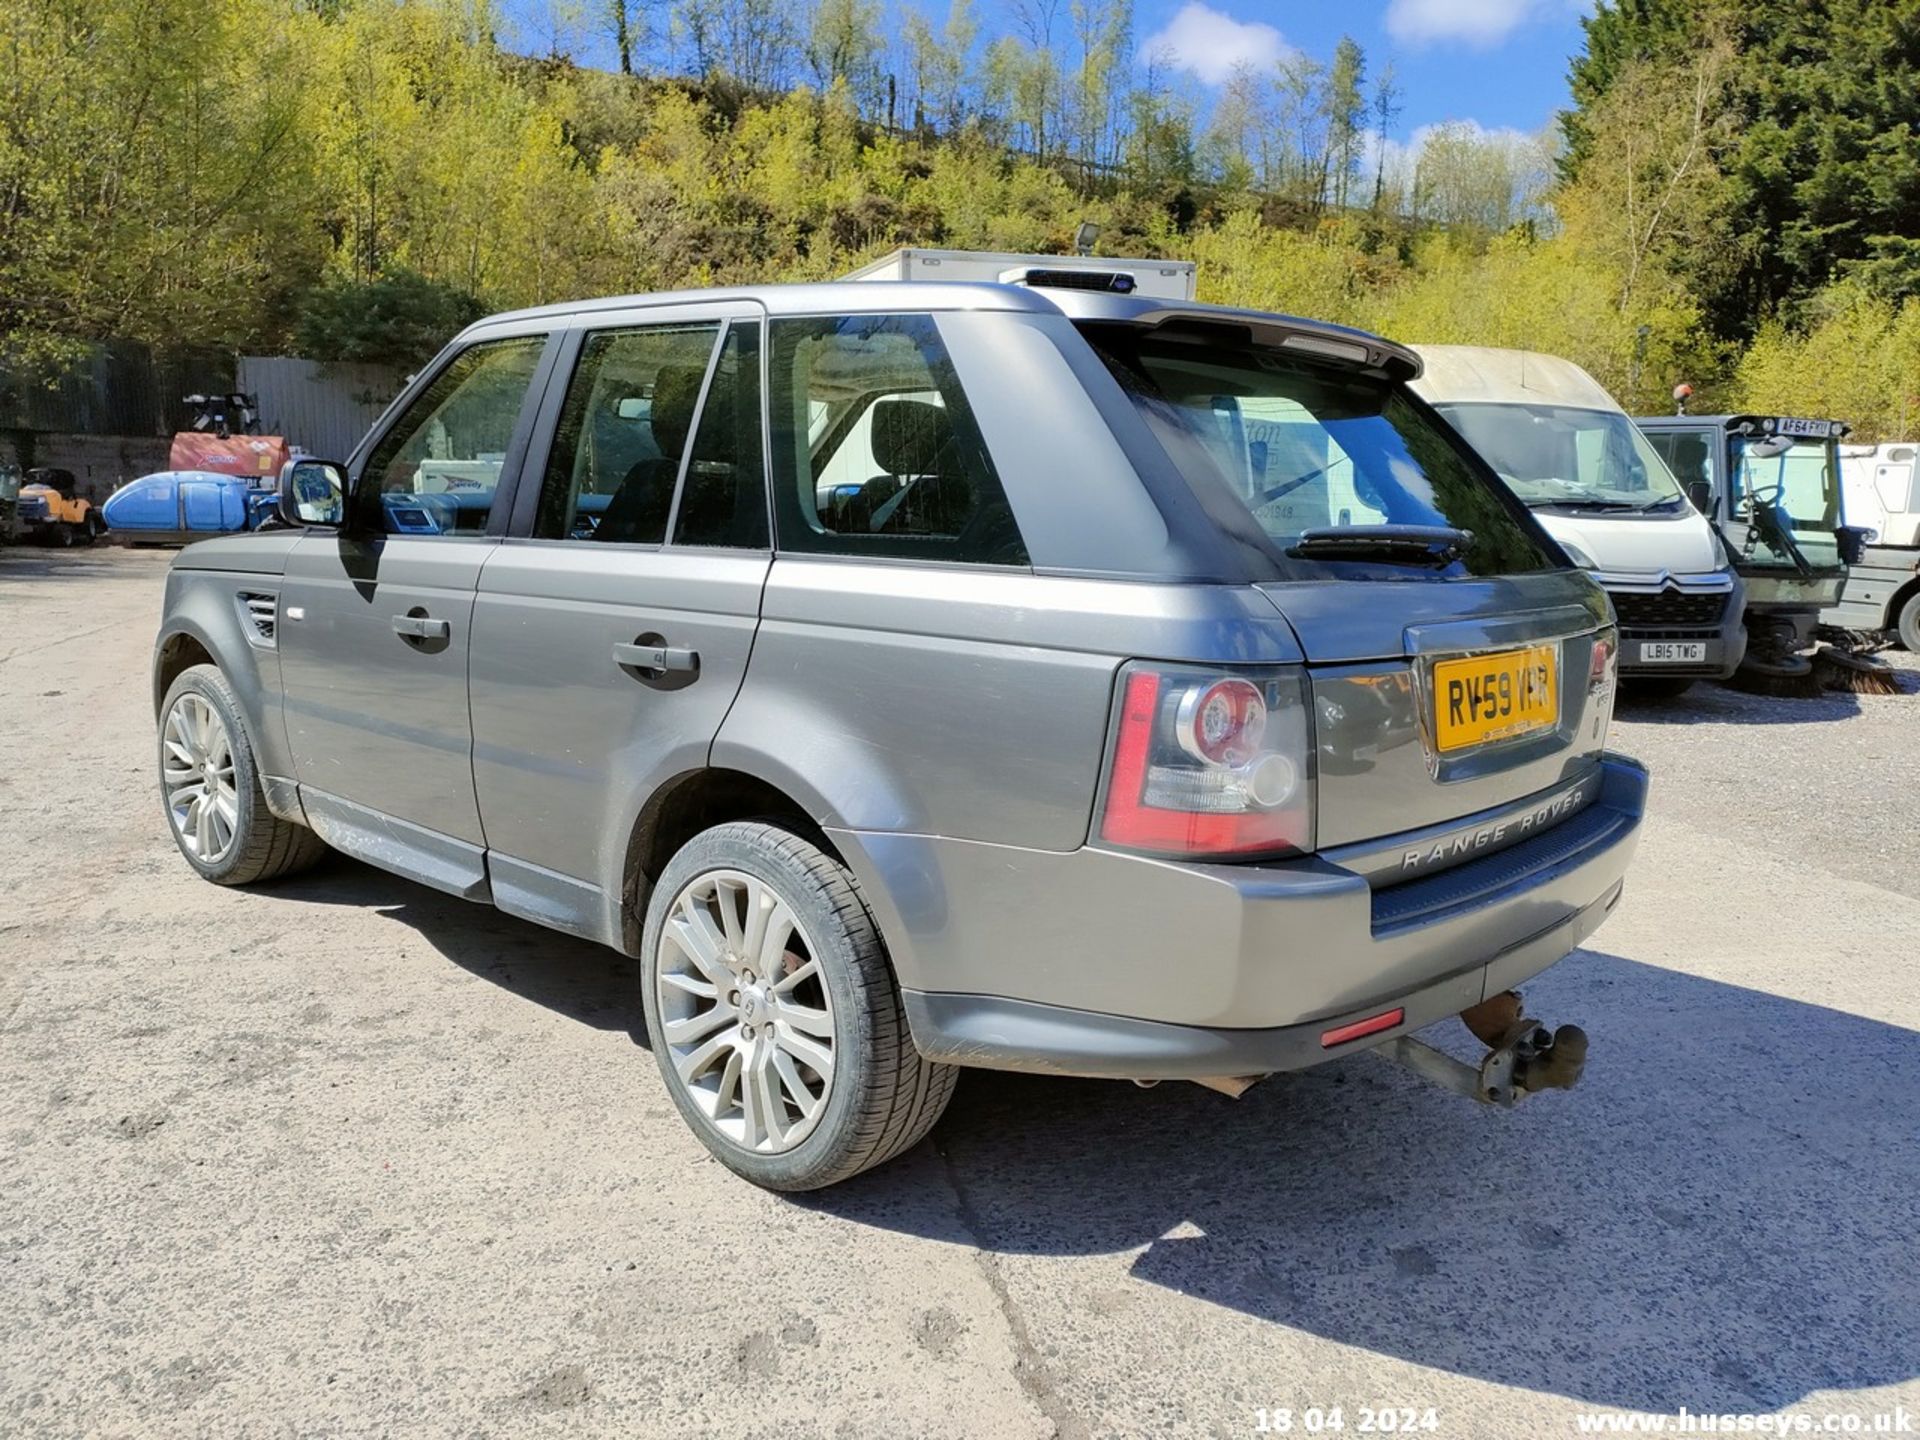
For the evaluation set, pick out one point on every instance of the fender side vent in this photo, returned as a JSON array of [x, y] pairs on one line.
[[261, 611]]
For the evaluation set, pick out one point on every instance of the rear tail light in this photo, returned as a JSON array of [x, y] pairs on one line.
[[1602, 681], [1606, 662], [1206, 763]]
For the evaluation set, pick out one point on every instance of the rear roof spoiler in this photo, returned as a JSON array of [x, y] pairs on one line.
[[1283, 332]]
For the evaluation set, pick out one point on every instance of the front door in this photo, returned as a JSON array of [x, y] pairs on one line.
[[611, 638], [376, 623]]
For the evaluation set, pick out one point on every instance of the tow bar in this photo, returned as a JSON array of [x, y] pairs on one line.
[[1523, 1057]]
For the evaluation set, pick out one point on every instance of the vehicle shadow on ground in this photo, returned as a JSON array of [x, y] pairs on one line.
[[572, 977], [1721, 1217], [83, 562], [1712, 703]]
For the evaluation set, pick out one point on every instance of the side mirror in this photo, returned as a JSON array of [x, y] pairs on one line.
[[1700, 492], [1853, 543], [313, 492]]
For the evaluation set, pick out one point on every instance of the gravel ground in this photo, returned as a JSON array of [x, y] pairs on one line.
[[351, 1157]]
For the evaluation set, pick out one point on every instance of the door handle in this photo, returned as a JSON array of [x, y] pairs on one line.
[[659, 659], [421, 627]]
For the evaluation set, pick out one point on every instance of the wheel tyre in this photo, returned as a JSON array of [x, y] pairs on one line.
[[883, 1096], [264, 847], [1909, 624], [64, 537]]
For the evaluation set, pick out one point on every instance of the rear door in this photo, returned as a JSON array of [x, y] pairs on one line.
[[612, 632], [1446, 681], [375, 622]]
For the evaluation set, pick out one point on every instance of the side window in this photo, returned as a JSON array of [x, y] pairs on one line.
[[623, 430], [853, 462], [435, 471], [723, 500], [876, 451], [1685, 453]]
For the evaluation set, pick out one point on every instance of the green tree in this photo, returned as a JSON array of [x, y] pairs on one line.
[[400, 319], [1857, 359], [1346, 111], [843, 45], [156, 178], [1103, 37], [1820, 173], [755, 42]]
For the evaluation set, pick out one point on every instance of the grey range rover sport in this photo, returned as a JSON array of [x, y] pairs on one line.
[[918, 676]]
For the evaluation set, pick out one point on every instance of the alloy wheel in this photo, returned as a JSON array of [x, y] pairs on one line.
[[196, 772], [745, 1011]]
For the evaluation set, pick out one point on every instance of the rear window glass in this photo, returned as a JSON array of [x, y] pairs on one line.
[[1300, 446]]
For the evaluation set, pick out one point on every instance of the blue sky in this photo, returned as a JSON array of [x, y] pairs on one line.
[[1501, 63]]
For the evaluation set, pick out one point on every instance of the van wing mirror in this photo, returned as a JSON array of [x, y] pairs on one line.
[[313, 493], [1853, 543], [1700, 492]]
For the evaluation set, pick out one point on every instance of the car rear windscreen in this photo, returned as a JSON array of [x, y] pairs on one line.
[[1305, 445]]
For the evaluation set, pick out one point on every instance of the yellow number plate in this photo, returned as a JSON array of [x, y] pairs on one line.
[[1495, 697]]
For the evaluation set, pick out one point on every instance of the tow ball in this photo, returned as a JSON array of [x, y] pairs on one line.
[[1523, 1057]]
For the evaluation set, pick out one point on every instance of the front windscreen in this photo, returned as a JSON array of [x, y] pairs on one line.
[[1306, 446], [1790, 484], [1557, 457]]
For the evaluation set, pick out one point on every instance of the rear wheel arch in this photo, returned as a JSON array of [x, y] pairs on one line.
[[684, 806]]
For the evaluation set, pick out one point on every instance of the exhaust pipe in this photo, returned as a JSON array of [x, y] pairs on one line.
[[1231, 1086]]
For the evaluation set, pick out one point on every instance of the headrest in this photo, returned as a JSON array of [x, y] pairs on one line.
[[910, 436], [676, 390]]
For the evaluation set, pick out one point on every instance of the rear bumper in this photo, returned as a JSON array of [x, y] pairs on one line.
[[1107, 965]]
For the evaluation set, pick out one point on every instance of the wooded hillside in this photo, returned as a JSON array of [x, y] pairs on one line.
[[1735, 200]]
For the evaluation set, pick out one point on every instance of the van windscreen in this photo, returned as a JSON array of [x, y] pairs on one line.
[[1306, 446]]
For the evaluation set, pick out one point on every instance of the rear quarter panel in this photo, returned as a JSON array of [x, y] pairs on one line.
[[961, 701]]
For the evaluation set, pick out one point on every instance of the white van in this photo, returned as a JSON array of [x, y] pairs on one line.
[[1158, 279], [1574, 458]]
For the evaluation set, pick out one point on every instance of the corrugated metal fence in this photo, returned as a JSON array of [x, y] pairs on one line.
[[127, 389], [325, 408]]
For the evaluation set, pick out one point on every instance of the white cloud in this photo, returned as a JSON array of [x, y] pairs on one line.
[[1475, 22], [1210, 43], [1400, 157]]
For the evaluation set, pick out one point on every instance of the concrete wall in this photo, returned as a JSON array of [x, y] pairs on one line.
[[100, 463]]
